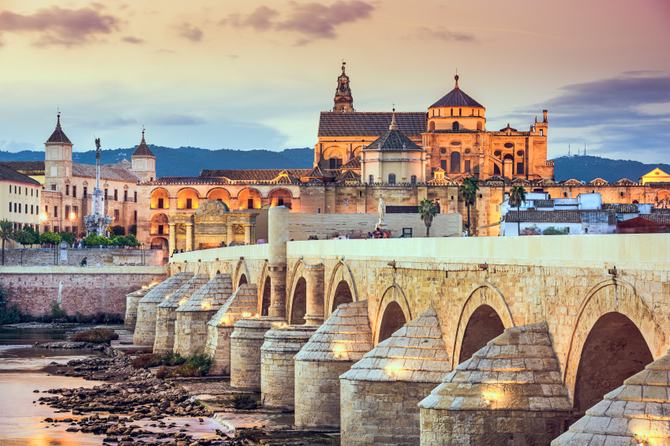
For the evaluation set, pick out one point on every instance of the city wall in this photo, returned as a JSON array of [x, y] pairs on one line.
[[94, 257], [570, 282], [88, 290]]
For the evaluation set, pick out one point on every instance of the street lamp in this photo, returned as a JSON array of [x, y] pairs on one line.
[[142, 254]]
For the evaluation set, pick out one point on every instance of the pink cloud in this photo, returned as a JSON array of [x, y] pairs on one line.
[[58, 26]]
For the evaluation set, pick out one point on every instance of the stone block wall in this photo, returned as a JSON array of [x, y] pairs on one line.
[[245, 352], [94, 257], [218, 347], [191, 331], [77, 290], [317, 396]]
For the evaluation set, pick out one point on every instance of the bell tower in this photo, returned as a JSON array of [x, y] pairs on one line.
[[57, 159], [144, 161], [344, 102]]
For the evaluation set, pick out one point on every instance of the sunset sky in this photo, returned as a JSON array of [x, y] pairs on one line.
[[256, 73]]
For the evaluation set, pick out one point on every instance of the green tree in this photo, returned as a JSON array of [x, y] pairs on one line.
[[6, 233], [95, 240], [117, 230], [49, 238], [427, 210], [469, 190], [68, 237], [28, 236], [516, 197]]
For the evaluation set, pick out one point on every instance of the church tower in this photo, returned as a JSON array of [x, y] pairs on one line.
[[144, 161], [344, 102], [57, 160]]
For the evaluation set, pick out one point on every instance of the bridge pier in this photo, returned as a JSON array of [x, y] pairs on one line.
[[132, 301], [221, 326], [245, 351], [192, 317], [278, 366], [509, 392], [381, 392], [314, 278], [145, 328], [341, 341], [166, 313]]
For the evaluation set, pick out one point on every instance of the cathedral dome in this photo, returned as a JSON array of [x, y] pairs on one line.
[[456, 98]]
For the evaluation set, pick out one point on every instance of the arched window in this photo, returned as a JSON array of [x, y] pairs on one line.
[[413, 179], [391, 178], [455, 125], [479, 126], [460, 112], [431, 126], [496, 169], [372, 179], [541, 132], [455, 162]]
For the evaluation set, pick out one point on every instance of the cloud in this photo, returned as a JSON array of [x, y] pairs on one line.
[[134, 40], [122, 122], [190, 32], [177, 119], [311, 20], [441, 33], [58, 26]]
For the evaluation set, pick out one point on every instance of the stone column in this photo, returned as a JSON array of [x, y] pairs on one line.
[[230, 235], [189, 237], [247, 234], [314, 306], [173, 237], [278, 236]]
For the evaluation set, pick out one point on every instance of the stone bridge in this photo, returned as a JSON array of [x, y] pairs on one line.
[[602, 303]]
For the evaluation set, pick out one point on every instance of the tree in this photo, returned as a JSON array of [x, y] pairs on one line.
[[49, 238], [27, 236], [68, 237], [469, 190], [427, 210], [516, 197], [6, 233], [117, 230]]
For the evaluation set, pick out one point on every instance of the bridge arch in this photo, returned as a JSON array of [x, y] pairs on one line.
[[482, 303], [241, 275], [393, 312], [264, 291], [296, 305], [616, 301], [341, 273]]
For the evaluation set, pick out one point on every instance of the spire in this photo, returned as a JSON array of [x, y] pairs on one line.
[[344, 101], [394, 124], [143, 142], [456, 78], [143, 148], [58, 136], [58, 127], [343, 67]]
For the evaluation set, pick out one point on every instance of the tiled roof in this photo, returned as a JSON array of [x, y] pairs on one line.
[[568, 216], [348, 175], [250, 174], [9, 174], [354, 163], [143, 149], [25, 166], [658, 217], [543, 203], [625, 182], [315, 173], [168, 181], [58, 136], [598, 182], [107, 172], [370, 123], [456, 98], [571, 182], [620, 208], [393, 141]]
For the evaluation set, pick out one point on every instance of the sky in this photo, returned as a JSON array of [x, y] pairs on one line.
[[256, 73]]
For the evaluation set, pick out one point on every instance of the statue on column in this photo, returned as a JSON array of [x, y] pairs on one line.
[[381, 208]]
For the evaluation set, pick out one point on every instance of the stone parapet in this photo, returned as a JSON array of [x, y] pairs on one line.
[[245, 352], [145, 328], [381, 392], [192, 317], [509, 391], [637, 413], [220, 327], [132, 301], [337, 344], [278, 366]]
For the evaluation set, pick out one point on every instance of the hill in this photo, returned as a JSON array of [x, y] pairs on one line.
[[587, 168], [189, 161]]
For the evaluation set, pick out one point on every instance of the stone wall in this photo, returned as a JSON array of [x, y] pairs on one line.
[[94, 257], [77, 290]]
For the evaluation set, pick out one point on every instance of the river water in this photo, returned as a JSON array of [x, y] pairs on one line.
[[24, 369]]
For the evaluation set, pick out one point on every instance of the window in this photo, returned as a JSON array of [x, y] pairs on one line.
[[452, 112], [541, 132], [519, 168], [37, 193], [10, 206], [19, 208], [189, 203], [46, 228], [56, 228], [455, 125], [19, 190], [372, 179], [74, 191], [443, 151], [10, 188], [280, 202], [160, 229], [467, 151], [116, 195], [135, 197], [55, 211], [67, 189], [443, 165], [519, 153], [67, 211], [466, 168], [391, 178], [335, 163], [250, 203], [46, 210], [455, 162], [15, 207], [32, 208], [116, 215], [125, 195], [105, 194], [53, 187], [135, 217], [460, 112], [479, 126], [75, 211], [160, 203], [85, 192], [413, 179]]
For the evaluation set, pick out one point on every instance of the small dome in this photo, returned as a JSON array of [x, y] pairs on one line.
[[212, 207]]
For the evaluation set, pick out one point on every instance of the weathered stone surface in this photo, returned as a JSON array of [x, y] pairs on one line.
[[381, 392], [196, 312], [278, 366], [145, 328], [132, 301], [220, 327], [511, 390], [342, 340], [636, 413], [166, 316], [245, 351]]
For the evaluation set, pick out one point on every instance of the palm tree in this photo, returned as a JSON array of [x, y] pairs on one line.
[[469, 190], [427, 210], [6, 233], [516, 197]]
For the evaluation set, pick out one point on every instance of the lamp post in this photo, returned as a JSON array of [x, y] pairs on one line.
[[142, 254]]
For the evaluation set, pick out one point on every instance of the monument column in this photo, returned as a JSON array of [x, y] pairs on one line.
[[278, 236], [314, 306], [189, 237], [172, 229]]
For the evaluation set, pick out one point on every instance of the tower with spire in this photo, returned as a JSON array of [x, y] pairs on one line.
[[144, 161], [57, 159], [344, 101]]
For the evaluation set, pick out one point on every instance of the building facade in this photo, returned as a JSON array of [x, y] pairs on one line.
[[19, 199]]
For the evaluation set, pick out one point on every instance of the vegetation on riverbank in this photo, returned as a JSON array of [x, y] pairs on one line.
[[97, 335], [198, 364]]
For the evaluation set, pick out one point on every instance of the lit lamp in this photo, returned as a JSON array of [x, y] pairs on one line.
[[73, 216], [43, 216]]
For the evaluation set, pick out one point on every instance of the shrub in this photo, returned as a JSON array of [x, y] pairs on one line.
[[95, 240], [172, 358], [556, 231], [28, 236], [67, 237], [200, 361], [146, 360], [198, 364], [244, 402], [49, 238], [56, 311], [97, 335], [162, 373]]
